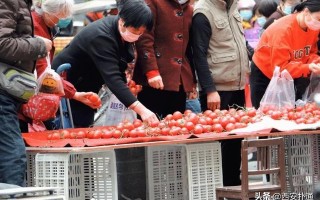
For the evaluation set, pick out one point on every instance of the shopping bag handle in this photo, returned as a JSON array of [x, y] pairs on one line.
[[63, 67]]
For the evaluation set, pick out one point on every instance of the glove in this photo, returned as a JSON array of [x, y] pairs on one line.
[[156, 82], [145, 113]]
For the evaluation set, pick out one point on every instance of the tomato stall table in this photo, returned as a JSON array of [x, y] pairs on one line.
[[183, 169]]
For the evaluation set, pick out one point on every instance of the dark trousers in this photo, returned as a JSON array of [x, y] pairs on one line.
[[230, 149], [259, 83], [163, 102], [131, 173], [12, 149]]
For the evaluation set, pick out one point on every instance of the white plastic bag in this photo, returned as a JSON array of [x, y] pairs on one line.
[[280, 93], [112, 111]]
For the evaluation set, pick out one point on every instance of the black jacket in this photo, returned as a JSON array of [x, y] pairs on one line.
[[99, 56]]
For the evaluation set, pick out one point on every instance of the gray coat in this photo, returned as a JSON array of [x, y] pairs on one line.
[[18, 47]]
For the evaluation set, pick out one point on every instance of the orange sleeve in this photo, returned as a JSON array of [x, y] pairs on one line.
[[281, 57]]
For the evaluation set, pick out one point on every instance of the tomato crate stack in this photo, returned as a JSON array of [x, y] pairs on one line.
[[302, 163], [79, 176], [167, 172], [204, 170], [181, 172]]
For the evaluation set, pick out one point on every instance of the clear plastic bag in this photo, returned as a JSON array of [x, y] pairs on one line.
[[312, 89], [280, 93], [112, 111], [50, 82]]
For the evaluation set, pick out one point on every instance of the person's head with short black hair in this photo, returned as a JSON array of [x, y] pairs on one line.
[[267, 7], [311, 5], [135, 13]]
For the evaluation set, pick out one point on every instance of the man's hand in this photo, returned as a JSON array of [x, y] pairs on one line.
[[315, 68], [213, 101], [156, 82], [47, 42]]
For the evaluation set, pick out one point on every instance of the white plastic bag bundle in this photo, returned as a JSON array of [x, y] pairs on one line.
[[112, 111], [280, 93]]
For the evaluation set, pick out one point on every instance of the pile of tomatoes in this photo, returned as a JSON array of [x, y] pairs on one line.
[[178, 123], [173, 124], [306, 114]]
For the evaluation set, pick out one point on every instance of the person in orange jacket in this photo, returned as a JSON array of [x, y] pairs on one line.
[[291, 44]]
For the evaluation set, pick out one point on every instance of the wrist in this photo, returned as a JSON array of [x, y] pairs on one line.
[[153, 73]]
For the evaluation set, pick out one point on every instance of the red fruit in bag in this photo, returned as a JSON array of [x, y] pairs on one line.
[[41, 106]]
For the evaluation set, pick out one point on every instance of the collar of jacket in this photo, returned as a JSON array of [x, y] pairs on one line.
[[225, 4]]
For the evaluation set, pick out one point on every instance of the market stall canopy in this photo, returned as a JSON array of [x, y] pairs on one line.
[[94, 6]]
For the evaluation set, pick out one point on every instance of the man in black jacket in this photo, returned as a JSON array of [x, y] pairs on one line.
[[99, 55]]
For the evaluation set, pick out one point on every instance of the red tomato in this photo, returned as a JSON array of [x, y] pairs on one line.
[[55, 136], [202, 121], [207, 113], [184, 131], [224, 121], [80, 135], [217, 128], [162, 124], [187, 112], [165, 131], [189, 126], [230, 126], [94, 98], [276, 115], [97, 134], [138, 88], [65, 134], [175, 131], [90, 134], [116, 134], [128, 125], [193, 118], [198, 129], [106, 134], [131, 83], [141, 133], [207, 128], [137, 123], [251, 112], [168, 117], [125, 133], [154, 124], [133, 133], [177, 115]]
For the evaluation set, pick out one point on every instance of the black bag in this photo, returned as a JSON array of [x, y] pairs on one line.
[[17, 83]]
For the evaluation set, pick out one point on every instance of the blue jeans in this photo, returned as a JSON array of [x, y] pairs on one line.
[[12, 147], [193, 105]]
